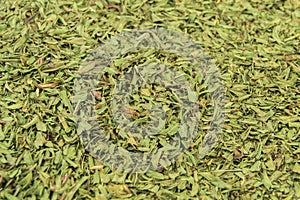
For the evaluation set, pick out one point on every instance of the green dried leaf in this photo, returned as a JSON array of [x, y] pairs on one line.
[[32, 122], [296, 168], [15, 106], [20, 42], [40, 140]]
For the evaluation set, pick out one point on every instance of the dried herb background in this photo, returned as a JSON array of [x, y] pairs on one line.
[[255, 44]]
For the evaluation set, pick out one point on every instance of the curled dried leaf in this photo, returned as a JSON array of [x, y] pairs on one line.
[[131, 111], [97, 167], [237, 155], [97, 95], [46, 85]]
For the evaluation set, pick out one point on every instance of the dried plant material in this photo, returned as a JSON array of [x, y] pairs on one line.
[[46, 85], [97, 95], [237, 155], [131, 111], [132, 141], [98, 167], [256, 46]]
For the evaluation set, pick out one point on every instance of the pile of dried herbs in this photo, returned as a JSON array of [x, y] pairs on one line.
[[255, 44]]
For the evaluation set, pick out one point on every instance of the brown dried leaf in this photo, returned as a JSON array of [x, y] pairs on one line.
[[237, 155], [97, 95], [131, 111]]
